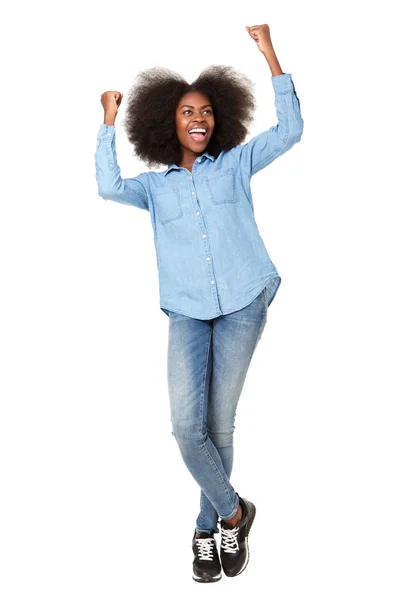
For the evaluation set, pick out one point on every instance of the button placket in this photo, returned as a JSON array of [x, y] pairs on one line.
[[204, 236]]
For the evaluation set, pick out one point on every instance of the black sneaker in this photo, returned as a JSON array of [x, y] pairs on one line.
[[206, 562], [234, 549]]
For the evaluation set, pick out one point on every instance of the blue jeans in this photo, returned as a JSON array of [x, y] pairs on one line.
[[207, 366]]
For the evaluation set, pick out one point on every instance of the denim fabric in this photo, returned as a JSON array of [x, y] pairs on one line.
[[211, 259], [207, 365]]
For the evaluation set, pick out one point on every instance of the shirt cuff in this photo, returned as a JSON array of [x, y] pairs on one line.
[[282, 83], [106, 130]]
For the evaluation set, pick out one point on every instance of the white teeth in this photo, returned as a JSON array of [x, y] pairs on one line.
[[200, 129]]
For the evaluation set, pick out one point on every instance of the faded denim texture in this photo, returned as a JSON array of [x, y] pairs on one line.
[[211, 258], [207, 367]]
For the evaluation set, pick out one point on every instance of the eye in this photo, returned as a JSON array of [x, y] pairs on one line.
[[188, 110]]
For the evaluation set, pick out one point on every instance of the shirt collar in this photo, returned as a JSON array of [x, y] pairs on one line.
[[173, 166]]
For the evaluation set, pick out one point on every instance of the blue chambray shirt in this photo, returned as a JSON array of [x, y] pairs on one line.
[[211, 258]]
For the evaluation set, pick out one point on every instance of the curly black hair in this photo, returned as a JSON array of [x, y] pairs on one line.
[[151, 105]]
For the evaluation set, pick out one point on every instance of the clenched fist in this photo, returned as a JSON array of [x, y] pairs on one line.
[[111, 102], [261, 34]]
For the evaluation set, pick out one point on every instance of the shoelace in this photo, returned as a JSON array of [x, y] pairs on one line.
[[229, 540], [205, 546]]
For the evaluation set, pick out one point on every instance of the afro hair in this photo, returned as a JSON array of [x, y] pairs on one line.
[[149, 120]]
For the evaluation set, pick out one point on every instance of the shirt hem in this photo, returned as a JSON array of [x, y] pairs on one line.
[[272, 283]]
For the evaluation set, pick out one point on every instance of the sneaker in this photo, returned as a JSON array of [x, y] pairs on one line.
[[234, 549], [206, 562]]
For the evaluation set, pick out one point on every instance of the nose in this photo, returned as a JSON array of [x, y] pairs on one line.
[[200, 118], [200, 121]]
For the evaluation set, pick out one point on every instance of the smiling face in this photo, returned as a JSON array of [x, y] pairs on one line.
[[194, 110]]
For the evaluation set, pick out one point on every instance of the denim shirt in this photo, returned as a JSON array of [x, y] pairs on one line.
[[211, 259]]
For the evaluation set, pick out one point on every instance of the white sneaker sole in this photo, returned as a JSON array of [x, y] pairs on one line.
[[206, 578]]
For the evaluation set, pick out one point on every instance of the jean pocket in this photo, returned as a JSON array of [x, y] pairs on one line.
[[264, 316], [167, 205], [222, 186], [265, 296]]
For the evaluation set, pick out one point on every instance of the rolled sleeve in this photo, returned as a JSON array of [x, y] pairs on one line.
[[264, 148], [111, 186]]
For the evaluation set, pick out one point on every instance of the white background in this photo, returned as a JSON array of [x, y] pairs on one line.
[[96, 502]]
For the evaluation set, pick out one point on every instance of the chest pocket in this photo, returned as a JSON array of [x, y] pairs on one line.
[[167, 204], [222, 187]]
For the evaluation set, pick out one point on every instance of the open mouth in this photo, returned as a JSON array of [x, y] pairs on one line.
[[198, 136]]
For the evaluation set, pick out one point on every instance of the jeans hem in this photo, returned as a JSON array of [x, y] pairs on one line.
[[233, 512], [207, 530]]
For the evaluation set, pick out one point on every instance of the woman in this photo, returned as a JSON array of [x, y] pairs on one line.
[[216, 279]]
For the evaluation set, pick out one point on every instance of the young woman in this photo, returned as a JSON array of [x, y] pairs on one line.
[[216, 278]]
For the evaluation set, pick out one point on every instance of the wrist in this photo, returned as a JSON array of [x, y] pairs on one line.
[[109, 118], [268, 50]]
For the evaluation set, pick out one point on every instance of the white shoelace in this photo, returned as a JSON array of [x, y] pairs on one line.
[[205, 546], [229, 540]]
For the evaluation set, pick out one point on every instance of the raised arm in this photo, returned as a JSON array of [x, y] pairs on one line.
[[110, 184], [262, 149]]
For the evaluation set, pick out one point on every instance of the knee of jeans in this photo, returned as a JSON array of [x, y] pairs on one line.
[[221, 438], [186, 432]]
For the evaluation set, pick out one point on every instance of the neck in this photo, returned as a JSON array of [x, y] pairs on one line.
[[188, 157]]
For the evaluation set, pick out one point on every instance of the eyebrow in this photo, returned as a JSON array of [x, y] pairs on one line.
[[193, 106]]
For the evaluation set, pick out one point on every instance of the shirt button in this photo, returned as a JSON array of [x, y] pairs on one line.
[[199, 160], [204, 235], [108, 133], [208, 257], [192, 193], [190, 177], [212, 281], [198, 212]]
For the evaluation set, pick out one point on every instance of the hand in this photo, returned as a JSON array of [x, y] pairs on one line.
[[261, 34], [111, 101]]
